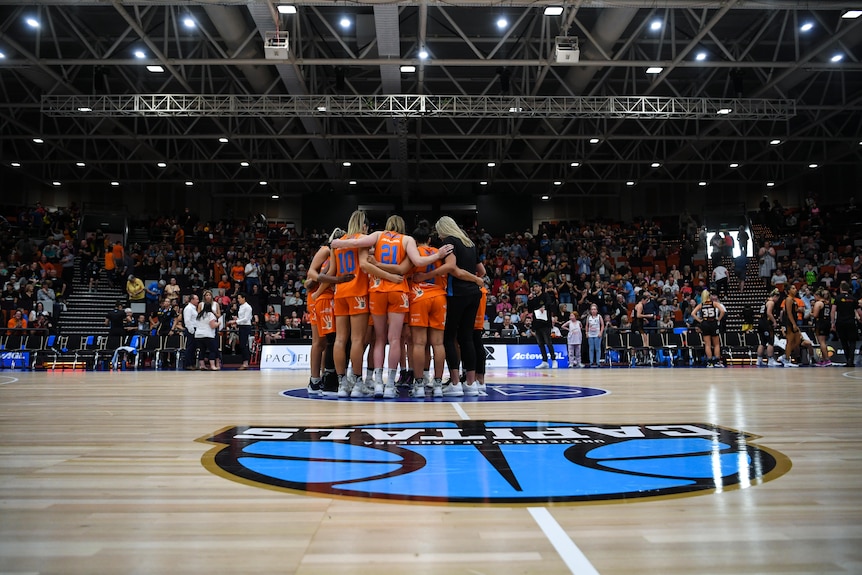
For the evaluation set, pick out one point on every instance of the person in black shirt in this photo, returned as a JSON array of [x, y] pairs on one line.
[[544, 308], [115, 320], [845, 312], [708, 316], [461, 305]]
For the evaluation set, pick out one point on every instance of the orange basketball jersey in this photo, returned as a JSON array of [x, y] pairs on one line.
[[347, 262], [389, 249], [435, 286]]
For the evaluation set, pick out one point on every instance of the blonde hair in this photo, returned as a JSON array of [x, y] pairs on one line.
[[395, 224], [336, 233], [446, 227], [705, 296], [356, 222]]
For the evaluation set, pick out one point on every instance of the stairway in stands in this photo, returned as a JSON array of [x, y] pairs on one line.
[[86, 310], [755, 287]]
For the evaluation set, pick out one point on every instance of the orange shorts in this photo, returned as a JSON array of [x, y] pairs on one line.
[[429, 312], [353, 305], [311, 308], [324, 314], [383, 302]]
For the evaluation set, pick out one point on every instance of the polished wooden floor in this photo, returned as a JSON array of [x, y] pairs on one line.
[[102, 473]]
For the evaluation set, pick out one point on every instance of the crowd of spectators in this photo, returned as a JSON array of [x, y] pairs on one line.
[[579, 263]]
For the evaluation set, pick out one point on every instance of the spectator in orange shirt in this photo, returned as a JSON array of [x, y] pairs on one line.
[[224, 283], [17, 321], [237, 272]]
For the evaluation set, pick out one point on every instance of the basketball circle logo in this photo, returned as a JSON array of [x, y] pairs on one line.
[[495, 462]]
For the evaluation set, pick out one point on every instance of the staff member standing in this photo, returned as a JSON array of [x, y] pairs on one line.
[[190, 315], [543, 306], [243, 322]]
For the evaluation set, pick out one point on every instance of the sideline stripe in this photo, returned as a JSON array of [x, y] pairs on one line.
[[460, 410], [573, 557]]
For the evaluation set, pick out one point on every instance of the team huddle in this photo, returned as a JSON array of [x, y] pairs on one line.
[[387, 287]]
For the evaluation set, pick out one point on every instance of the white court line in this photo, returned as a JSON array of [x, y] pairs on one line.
[[573, 557], [460, 411], [5, 379]]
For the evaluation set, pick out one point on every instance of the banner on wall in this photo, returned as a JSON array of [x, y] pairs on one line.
[[496, 355]]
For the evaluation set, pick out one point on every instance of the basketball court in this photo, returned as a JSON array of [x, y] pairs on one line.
[[609, 471]]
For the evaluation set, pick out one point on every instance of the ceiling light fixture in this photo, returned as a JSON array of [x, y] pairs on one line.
[[655, 25], [352, 182], [575, 164], [223, 140], [655, 165], [2, 56], [408, 69], [286, 9], [344, 23], [701, 56], [770, 184], [274, 196], [190, 183], [81, 164], [594, 140], [836, 58], [630, 183], [15, 164], [724, 111], [734, 165], [162, 165], [346, 164], [701, 183], [140, 54], [483, 183], [806, 27], [813, 166], [56, 183], [85, 109], [263, 182], [492, 164], [32, 22], [654, 70], [852, 14], [423, 54], [774, 142], [188, 23], [553, 10], [155, 69], [38, 141], [502, 23], [558, 182], [546, 198], [244, 164], [115, 183]]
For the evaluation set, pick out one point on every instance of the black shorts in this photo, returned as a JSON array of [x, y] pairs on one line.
[[822, 328], [709, 327], [638, 325], [766, 333]]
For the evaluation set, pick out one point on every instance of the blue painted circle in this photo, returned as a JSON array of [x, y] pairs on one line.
[[496, 392]]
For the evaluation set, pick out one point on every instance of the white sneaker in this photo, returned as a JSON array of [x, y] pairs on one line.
[[418, 390], [554, 364], [773, 363], [482, 390], [378, 388], [788, 363], [452, 390], [345, 386], [543, 365], [438, 387], [388, 390], [361, 389], [471, 389]]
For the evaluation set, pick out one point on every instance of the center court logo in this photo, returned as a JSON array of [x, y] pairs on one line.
[[495, 462]]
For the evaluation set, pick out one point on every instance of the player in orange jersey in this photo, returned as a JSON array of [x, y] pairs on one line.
[[396, 253]]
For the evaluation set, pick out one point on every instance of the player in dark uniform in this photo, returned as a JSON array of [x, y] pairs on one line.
[[821, 316], [791, 330], [708, 317], [766, 327], [845, 311]]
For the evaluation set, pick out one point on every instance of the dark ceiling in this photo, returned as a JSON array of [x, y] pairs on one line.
[[498, 96]]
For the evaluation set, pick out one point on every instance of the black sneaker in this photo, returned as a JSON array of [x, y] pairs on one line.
[[405, 378], [329, 384], [314, 389]]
